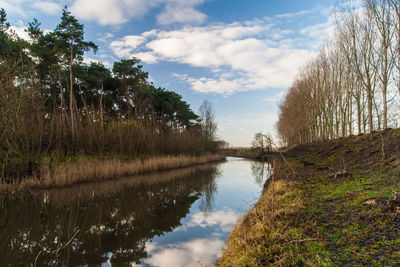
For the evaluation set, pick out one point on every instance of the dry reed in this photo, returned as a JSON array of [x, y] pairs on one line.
[[66, 174]]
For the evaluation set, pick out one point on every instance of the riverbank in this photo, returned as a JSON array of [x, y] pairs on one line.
[[69, 173], [326, 203]]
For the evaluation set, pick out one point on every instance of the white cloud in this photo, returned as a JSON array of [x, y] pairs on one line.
[[13, 7], [115, 12], [50, 8], [240, 56], [181, 12], [198, 46], [125, 46], [21, 7], [292, 15], [20, 31], [88, 60], [146, 57], [105, 37], [108, 11], [108, 35], [218, 85], [321, 32]]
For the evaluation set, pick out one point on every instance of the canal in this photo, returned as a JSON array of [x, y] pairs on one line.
[[175, 218]]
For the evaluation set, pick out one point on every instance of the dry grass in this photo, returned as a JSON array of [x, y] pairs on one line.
[[66, 174], [263, 233]]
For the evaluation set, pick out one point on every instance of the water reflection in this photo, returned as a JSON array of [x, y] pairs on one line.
[[185, 253], [261, 171], [176, 218], [207, 201], [107, 222], [225, 219]]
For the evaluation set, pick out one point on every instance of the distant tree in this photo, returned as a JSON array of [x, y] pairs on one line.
[[222, 144], [262, 143]]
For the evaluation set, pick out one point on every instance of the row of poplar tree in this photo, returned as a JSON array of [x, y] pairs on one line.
[[353, 86], [53, 106]]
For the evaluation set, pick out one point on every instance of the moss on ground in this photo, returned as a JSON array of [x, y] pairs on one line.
[[306, 216]]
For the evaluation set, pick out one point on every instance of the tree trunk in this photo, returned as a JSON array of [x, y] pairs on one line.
[[101, 107], [369, 107], [71, 110]]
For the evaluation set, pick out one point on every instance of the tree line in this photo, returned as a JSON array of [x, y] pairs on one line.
[[353, 85], [54, 106]]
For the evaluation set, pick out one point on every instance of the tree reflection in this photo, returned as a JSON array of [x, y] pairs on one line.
[[114, 226], [209, 190], [261, 171]]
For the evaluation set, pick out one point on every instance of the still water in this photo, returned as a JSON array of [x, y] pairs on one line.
[[175, 218]]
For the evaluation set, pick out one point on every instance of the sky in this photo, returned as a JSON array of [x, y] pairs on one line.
[[242, 56]]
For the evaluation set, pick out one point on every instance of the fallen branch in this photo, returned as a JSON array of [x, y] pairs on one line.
[[37, 258], [67, 242]]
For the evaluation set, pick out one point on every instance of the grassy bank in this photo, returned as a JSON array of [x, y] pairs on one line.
[[69, 173], [329, 203]]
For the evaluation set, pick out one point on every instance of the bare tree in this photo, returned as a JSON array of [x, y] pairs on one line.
[[380, 13], [209, 126], [349, 84]]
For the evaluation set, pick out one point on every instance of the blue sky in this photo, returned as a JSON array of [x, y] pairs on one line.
[[240, 55]]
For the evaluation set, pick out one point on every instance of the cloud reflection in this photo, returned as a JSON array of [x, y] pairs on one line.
[[195, 252], [191, 253]]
